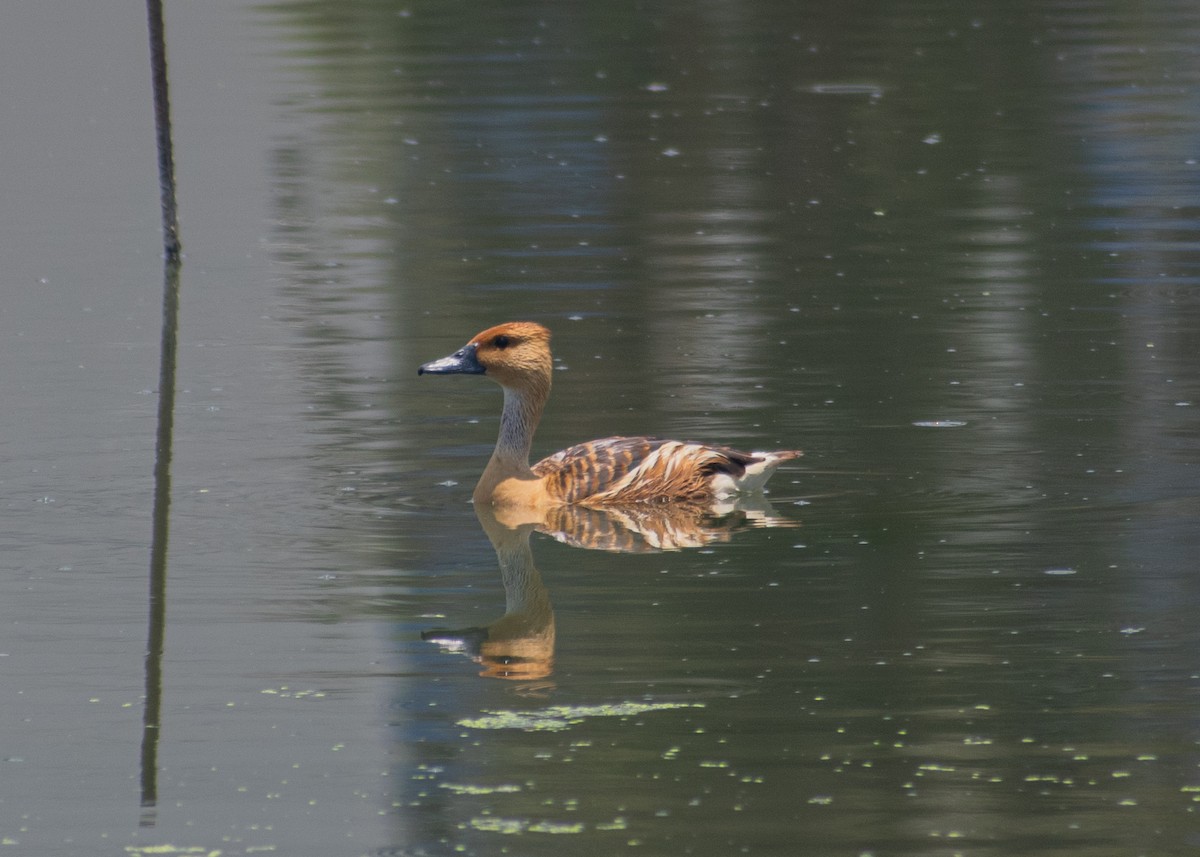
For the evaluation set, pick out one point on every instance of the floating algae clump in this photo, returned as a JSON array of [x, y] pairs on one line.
[[559, 717]]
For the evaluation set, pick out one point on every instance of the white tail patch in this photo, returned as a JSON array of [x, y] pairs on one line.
[[755, 477]]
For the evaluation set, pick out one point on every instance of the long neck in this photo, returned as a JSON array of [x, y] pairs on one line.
[[518, 421], [523, 406]]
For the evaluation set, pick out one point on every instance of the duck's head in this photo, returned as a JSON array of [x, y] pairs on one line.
[[515, 354]]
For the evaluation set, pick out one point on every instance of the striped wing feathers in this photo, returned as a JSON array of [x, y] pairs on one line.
[[638, 469]]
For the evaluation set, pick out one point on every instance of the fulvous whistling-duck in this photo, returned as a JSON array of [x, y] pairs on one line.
[[613, 471]]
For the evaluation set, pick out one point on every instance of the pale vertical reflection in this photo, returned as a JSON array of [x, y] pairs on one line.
[[997, 282], [711, 244], [993, 339], [996, 272], [706, 263]]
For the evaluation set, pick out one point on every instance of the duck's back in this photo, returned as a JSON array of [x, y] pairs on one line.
[[617, 470]]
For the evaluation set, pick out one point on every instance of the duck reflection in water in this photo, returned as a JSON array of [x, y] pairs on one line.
[[519, 645], [621, 494]]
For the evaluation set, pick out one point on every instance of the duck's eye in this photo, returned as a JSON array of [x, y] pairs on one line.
[[502, 341]]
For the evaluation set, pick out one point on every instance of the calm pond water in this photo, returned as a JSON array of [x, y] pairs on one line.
[[951, 253]]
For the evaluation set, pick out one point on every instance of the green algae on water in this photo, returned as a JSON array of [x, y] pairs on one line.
[[559, 717]]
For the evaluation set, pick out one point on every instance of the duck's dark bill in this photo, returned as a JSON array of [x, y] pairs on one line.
[[461, 362]]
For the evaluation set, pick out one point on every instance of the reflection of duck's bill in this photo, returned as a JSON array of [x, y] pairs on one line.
[[468, 641], [513, 659]]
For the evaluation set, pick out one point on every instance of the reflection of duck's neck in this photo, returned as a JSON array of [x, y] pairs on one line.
[[520, 644], [524, 591]]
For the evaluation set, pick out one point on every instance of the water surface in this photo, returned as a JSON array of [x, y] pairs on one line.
[[950, 255]]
